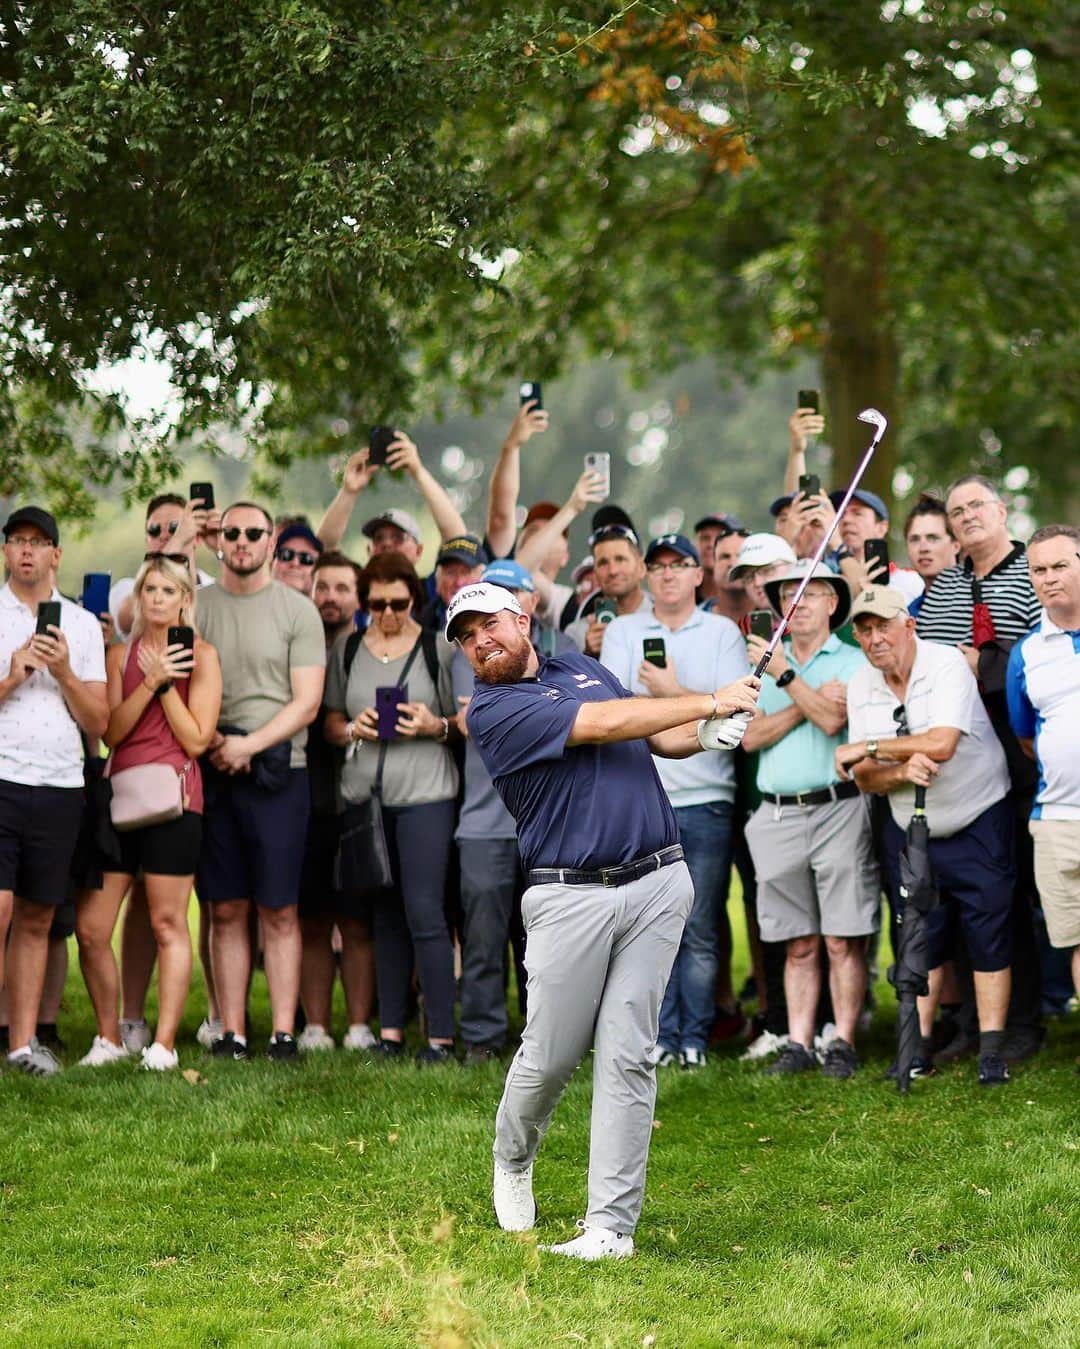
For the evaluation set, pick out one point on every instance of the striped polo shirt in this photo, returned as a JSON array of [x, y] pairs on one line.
[[945, 615], [1043, 686]]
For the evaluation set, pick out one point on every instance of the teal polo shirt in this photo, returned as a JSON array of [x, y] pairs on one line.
[[803, 759]]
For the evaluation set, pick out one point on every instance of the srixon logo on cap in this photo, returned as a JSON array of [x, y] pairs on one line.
[[868, 596]]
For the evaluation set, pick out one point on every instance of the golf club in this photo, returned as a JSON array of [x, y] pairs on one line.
[[727, 732]]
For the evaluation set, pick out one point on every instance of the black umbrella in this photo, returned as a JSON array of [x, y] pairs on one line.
[[909, 975]]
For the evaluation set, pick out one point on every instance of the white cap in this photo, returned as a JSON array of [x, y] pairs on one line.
[[399, 519], [761, 550], [481, 598]]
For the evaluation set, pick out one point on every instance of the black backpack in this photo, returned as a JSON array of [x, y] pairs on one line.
[[427, 644]]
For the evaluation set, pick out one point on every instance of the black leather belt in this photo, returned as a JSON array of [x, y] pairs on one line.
[[840, 792], [620, 875]]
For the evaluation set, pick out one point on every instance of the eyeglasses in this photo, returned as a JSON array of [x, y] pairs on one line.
[[29, 541], [970, 508], [899, 716], [181, 559], [397, 606], [655, 568], [253, 533], [291, 555], [154, 530]]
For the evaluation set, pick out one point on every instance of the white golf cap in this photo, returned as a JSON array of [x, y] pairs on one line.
[[761, 550], [482, 598], [399, 519]]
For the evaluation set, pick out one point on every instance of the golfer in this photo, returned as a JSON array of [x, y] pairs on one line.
[[608, 893]]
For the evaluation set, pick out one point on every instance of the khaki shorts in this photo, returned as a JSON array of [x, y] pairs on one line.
[[815, 870], [1057, 874]]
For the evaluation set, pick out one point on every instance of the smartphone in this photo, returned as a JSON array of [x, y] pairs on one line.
[[379, 441], [761, 623], [204, 492], [95, 592], [604, 611], [877, 550], [388, 697], [48, 615], [809, 398], [809, 484], [181, 636], [655, 652], [529, 390], [600, 463]]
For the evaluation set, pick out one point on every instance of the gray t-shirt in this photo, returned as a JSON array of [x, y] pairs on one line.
[[415, 771], [260, 639]]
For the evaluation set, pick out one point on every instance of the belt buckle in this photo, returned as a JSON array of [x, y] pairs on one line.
[[604, 872], [799, 799]]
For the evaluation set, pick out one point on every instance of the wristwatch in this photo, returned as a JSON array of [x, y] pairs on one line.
[[871, 748], [786, 678]]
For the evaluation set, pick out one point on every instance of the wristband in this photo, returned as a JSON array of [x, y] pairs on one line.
[[786, 678], [164, 688]]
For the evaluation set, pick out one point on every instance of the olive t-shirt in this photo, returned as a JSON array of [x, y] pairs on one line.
[[261, 639]]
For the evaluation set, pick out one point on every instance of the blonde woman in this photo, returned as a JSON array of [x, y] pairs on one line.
[[163, 708]]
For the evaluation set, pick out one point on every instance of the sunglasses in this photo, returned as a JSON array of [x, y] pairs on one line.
[[155, 530], [607, 532], [899, 716], [180, 558], [291, 555], [395, 606], [253, 533], [732, 533]]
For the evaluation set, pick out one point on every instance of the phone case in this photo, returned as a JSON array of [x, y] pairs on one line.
[[387, 701], [95, 592]]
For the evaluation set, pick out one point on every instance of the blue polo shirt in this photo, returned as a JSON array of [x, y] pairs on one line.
[[586, 807], [803, 760]]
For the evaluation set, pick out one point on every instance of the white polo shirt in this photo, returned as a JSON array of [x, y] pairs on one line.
[[707, 652], [40, 743], [1043, 687], [941, 691]]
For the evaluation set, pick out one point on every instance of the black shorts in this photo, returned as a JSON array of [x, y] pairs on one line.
[[168, 849], [317, 892], [253, 841], [38, 829]]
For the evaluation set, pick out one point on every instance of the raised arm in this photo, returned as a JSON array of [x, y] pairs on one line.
[[505, 483], [588, 489], [354, 479], [648, 718], [402, 453]]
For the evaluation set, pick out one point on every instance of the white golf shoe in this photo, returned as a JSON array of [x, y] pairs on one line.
[[103, 1051], [594, 1243], [515, 1207]]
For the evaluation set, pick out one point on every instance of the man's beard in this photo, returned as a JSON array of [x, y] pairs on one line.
[[245, 568], [509, 669]]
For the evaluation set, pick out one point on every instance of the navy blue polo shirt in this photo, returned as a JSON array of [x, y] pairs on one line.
[[586, 807]]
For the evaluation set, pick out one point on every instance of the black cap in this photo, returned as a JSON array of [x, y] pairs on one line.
[[34, 515], [606, 516], [465, 548]]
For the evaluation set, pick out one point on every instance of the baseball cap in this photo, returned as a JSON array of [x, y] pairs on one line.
[[761, 550], [504, 571], [728, 522], [481, 598], [796, 572], [465, 548], [676, 543], [34, 515], [605, 516], [299, 531], [583, 568], [399, 519], [870, 499], [780, 502], [881, 601]]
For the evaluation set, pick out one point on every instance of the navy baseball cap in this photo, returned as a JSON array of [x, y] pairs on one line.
[[675, 543], [779, 504], [40, 519], [728, 522], [465, 548], [299, 531], [870, 499], [504, 571]]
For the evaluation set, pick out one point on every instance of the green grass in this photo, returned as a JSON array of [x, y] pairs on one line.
[[341, 1203]]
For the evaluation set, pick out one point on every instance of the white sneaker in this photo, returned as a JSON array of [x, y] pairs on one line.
[[764, 1046], [160, 1059], [512, 1193], [103, 1051], [359, 1036], [594, 1243], [208, 1032], [135, 1035], [36, 1059], [824, 1040], [314, 1036], [692, 1058]]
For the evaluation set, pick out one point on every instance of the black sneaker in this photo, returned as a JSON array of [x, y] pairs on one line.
[[477, 1055], [794, 1058], [434, 1054], [282, 1048], [227, 1046], [840, 1060], [993, 1070], [920, 1067], [389, 1049]]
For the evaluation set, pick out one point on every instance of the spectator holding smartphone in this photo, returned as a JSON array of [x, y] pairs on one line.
[[53, 688], [163, 707], [418, 792]]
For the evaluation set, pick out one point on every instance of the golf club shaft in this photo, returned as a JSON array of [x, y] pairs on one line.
[[729, 732]]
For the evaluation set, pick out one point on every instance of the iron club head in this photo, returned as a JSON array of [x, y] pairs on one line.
[[876, 419]]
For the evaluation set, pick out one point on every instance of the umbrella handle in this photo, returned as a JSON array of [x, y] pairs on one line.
[[920, 798]]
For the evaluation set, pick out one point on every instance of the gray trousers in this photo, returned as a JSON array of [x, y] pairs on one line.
[[490, 881], [598, 960]]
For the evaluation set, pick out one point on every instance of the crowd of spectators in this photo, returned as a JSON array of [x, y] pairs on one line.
[[252, 717]]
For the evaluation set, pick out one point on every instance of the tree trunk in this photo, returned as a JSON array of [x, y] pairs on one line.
[[860, 360]]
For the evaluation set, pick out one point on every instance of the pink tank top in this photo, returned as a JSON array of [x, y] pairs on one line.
[[152, 740]]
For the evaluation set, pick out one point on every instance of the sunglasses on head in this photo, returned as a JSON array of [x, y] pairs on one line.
[[253, 533], [180, 558], [291, 555], [395, 606], [155, 530], [732, 533], [608, 532]]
